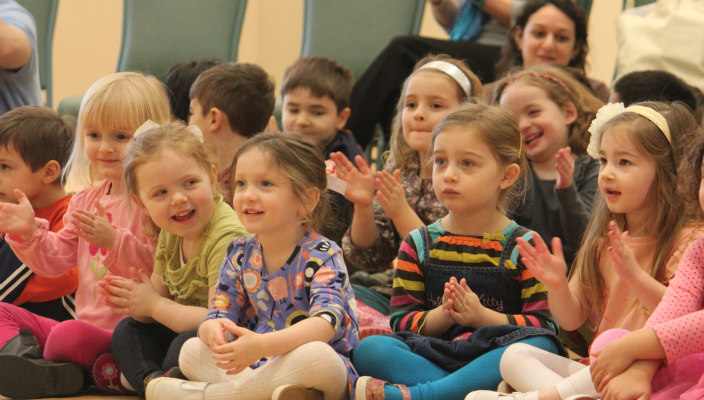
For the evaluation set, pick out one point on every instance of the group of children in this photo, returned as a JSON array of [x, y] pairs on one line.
[[212, 261]]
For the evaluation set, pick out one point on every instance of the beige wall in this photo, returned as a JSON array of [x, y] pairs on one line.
[[87, 39]]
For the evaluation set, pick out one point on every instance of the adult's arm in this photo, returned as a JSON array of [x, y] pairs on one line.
[[15, 48], [444, 11]]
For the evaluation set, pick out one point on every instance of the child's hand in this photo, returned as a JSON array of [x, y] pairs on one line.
[[466, 308], [446, 303], [391, 194], [94, 228], [621, 252], [360, 183], [549, 269], [630, 385], [18, 219], [136, 297], [212, 331], [564, 166], [611, 361], [247, 348]]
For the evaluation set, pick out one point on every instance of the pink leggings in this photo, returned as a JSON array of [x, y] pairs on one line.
[[71, 341]]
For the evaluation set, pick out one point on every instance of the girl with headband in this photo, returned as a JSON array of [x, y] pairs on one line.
[[461, 294], [639, 229], [391, 203]]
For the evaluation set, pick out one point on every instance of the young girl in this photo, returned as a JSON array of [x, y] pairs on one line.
[[172, 178], [405, 199], [284, 317], [460, 293], [101, 236], [639, 148], [554, 111], [672, 335]]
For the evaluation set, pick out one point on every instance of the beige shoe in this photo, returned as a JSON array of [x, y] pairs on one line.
[[296, 392], [171, 388]]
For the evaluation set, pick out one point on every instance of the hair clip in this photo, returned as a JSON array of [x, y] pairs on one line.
[[196, 132], [146, 126]]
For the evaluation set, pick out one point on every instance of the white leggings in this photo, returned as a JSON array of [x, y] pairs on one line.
[[311, 365], [527, 368]]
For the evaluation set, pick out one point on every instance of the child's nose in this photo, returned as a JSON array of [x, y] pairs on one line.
[[450, 174], [177, 198], [419, 114]]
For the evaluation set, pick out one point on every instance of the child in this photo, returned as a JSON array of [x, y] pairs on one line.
[[554, 111], [179, 80], [625, 367], [460, 293], [230, 103], [316, 96], [405, 200], [35, 144], [170, 175], [639, 149], [101, 236], [283, 318]]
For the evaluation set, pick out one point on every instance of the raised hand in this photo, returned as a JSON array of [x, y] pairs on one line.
[[136, 297], [247, 348], [621, 252], [96, 229], [18, 219], [465, 308], [360, 182], [564, 166], [391, 193], [548, 268]]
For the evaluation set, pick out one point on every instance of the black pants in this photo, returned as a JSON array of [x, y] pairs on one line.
[[376, 92], [140, 349]]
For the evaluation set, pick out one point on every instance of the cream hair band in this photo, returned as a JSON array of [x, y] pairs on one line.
[[453, 72], [654, 116]]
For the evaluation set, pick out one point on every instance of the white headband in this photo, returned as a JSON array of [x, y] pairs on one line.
[[654, 117], [452, 71]]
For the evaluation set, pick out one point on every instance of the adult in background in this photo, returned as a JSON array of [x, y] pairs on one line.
[[19, 62]]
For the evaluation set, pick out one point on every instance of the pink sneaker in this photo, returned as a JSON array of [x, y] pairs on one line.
[[368, 388]]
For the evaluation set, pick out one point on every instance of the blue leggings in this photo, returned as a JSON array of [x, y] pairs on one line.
[[390, 359]]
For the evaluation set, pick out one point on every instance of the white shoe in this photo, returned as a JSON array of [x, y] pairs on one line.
[[491, 395], [296, 392], [171, 388]]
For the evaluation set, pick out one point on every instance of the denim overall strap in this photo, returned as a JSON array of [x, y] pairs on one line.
[[425, 235], [511, 244]]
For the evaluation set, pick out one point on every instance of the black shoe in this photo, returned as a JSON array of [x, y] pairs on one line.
[[25, 344], [23, 378]]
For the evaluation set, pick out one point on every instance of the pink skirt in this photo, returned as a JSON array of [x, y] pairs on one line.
[[683, 379]]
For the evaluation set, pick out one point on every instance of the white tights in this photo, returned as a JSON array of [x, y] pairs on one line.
[[311, 365], [527, 368]]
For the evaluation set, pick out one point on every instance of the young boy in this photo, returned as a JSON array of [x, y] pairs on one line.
[[35, 144], [316, 96], [230, 103]]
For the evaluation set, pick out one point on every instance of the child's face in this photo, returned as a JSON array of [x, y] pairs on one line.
[[16, 174], [543, 124], [196, 117], [463, 162], [177, 194], [106, 149], [315, 118], [430, 95], [626, 175], [263, 197], [549, 37]]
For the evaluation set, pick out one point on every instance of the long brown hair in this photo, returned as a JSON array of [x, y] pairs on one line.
[[669, 205]]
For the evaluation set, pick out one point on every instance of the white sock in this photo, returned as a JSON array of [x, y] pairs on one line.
[[123, 381]]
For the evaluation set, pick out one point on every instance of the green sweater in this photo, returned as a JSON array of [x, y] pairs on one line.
[[189, 284]]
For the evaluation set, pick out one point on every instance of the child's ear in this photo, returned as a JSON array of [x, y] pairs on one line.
[[51, 172], [511, 173], [570, 112], [310, 200], [342, 117], [216, 119]]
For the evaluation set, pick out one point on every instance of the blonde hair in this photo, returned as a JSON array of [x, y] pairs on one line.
[[122, 102], [561, 87], [669, 203], [400, 153], [175, 137], [300, 161], [499, 130]]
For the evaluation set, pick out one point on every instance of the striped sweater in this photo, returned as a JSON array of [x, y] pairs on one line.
[[411, 302]]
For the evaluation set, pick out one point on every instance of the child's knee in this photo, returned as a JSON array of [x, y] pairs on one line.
[[513, 354], [193, 353]]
